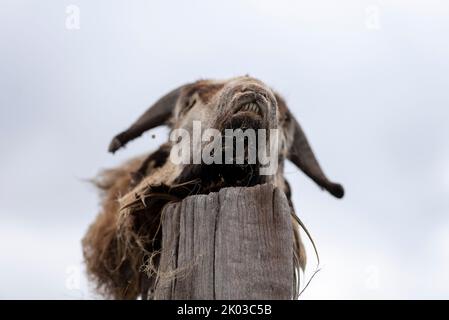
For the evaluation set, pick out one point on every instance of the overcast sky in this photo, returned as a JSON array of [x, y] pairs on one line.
[[368, 81]]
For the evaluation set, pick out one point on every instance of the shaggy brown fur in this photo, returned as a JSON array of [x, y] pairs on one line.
[[111, 263], [122, 246], [121, 250]]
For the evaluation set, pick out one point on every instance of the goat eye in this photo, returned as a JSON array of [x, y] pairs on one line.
[[189, 105]]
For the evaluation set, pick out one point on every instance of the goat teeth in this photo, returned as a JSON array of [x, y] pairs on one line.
[[251, 107]]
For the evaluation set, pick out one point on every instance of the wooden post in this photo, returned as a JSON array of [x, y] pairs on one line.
[[233, 244]]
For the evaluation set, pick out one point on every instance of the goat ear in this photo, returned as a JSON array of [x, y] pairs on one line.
[[301, 154], [156, 115]]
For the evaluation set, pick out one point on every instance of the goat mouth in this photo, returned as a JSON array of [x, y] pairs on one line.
[[250, 108]]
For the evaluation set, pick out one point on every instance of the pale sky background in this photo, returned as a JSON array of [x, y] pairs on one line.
[[368, 80]]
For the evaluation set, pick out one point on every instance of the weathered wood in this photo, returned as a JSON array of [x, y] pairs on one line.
[[234, 244]]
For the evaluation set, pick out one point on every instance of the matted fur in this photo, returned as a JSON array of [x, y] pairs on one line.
[[122, 246], [112, 260]]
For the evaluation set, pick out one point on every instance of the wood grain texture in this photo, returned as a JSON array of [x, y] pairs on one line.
[[233, 244]]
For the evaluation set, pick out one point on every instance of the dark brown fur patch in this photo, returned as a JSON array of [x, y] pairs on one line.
[[155, 160], [205, 89]]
